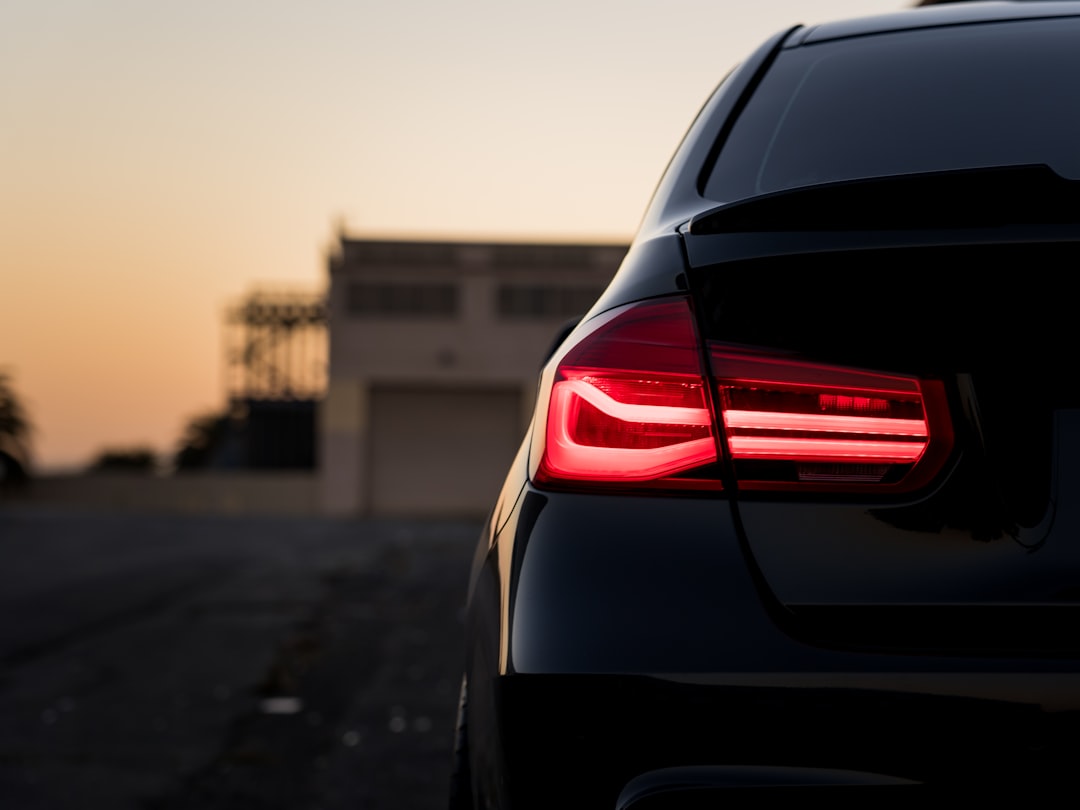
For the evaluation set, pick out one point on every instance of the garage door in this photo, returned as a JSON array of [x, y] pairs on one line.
[[440, 451]]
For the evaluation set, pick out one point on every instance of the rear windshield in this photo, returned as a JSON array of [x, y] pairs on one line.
[[992, 94]]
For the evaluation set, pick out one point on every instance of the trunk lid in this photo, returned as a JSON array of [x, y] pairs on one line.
[[983, 554]]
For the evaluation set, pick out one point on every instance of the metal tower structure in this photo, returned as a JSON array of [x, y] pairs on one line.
[[276, 347]]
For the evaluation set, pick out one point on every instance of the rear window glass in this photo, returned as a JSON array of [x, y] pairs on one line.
[[992, 94]]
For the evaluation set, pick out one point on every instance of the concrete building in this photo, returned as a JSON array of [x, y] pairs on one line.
[[435, 349]]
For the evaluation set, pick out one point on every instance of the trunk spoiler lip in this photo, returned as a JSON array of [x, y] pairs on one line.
[[963, 199]]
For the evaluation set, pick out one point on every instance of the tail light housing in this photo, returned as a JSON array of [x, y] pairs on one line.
[[627, 405], [790, 425], [630, 403]]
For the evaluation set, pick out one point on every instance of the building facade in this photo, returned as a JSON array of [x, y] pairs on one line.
[[435, 349]]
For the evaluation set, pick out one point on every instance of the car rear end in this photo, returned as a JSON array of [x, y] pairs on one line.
[[797, 509]]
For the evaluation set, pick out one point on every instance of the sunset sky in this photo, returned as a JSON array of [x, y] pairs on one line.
[[158, 160]]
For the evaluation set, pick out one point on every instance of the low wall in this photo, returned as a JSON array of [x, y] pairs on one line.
[[214, 493]]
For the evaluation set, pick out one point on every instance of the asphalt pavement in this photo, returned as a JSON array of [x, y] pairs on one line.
[[167, 663]]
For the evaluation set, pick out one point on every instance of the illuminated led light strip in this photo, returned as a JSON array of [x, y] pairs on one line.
[[881, 426], [785, 448], [566, 456], [626, 412]]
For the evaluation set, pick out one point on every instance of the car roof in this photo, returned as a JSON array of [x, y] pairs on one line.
[[933, 17]]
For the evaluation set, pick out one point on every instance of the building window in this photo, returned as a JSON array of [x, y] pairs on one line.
[[396, 300], [544, 300]]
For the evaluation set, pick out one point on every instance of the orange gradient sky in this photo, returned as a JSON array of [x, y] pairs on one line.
[[158, 160]]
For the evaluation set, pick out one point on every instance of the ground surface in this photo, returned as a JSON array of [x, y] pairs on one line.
[[175, 663]]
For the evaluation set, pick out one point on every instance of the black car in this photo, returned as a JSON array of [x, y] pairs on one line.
[[798, 507]]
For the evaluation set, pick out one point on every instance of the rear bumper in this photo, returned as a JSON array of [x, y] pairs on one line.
[[639, 742]]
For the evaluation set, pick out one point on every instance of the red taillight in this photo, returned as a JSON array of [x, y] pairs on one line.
[[627, 405], [790, 424]]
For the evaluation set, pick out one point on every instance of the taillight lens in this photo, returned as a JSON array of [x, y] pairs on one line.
[[790, 424], [627, 404]]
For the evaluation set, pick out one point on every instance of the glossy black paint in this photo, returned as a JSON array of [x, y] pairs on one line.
[[687, 651], [573, 741], [636, 643], [931, 17]]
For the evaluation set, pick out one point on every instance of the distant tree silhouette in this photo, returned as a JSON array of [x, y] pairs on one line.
[[15, 429], [135, 459], [203, 437]]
